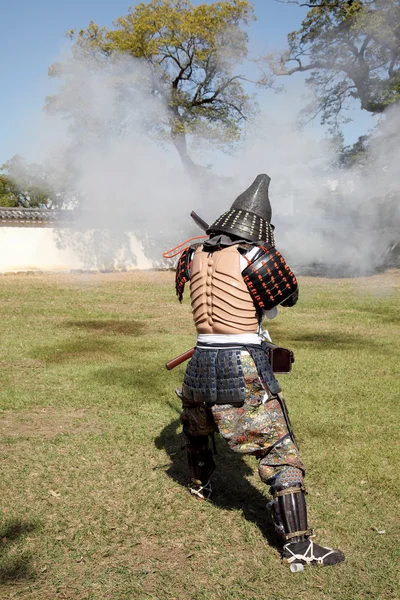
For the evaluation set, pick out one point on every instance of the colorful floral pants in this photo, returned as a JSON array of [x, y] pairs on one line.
[[260, 427]]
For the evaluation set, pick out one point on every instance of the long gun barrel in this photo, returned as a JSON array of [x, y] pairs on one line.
[[179, 359], [202, 224]]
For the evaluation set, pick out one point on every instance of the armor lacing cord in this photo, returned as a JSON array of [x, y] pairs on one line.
[[290, 490], [308, 556], [307, 532], [179, 248]]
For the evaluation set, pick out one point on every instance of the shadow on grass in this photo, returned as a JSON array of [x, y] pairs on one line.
[[232, 491], [14, 568], [331, 340], [91, 346], [109, 326]]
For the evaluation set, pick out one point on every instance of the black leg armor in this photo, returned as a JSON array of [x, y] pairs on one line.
[[289, 513], [200, 459], [289, 510]]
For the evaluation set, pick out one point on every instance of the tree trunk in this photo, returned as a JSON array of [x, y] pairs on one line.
[[178, 137], [179, 141]]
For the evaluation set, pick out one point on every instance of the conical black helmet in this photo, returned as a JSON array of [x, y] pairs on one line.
[[250, 215]]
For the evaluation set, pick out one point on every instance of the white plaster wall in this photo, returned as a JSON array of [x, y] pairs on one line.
[[34, 248]]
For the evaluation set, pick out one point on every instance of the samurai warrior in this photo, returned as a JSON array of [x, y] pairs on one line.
[[237, 279]]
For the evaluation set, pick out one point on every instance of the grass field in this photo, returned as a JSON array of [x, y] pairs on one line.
[[93, 498]]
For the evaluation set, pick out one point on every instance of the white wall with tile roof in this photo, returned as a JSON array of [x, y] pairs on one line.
[[35, 249]]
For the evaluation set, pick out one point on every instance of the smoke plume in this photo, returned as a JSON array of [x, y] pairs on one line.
[[127, 177]]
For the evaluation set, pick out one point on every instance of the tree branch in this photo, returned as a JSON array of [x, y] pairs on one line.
[[215, 94], [392, 72], [236, 108], [364, 45]]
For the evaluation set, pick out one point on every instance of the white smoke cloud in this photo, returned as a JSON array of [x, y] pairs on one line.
[[344, 219], [126, 180], [131, 182]]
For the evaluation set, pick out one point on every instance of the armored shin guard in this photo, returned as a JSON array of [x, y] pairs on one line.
[[201, 465], [289, 512]]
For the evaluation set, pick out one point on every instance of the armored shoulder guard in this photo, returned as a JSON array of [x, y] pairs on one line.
[[269, 279], [183, 271]]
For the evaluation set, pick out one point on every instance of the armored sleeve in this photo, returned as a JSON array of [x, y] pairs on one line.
[[291, 301], [182, 274], [269, 279]]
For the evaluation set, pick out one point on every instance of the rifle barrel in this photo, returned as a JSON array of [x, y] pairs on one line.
[[179, 359], [202, 224]]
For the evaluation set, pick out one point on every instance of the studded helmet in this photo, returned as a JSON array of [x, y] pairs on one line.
[[249, 217]]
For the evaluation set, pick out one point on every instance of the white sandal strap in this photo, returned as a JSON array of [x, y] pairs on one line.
[[308, 556], [198, 491]]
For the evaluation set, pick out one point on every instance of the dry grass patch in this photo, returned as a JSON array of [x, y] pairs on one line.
[[45, 422]]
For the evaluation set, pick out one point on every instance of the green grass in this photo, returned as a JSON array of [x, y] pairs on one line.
[[93, 499]]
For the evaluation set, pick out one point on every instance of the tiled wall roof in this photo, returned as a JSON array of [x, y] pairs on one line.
[[34, 215]]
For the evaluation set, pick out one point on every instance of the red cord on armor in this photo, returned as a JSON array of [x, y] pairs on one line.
[[167, 253]]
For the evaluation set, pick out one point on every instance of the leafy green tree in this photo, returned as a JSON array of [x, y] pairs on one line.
[[351, 48], [8, 192], [27, 185], [190, 54], [356, 155]]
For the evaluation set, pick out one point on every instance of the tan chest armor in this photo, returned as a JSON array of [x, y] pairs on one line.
[[221, 302]]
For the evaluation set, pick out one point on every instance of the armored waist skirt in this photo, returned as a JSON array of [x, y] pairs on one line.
[[259, 426], [215, 375]]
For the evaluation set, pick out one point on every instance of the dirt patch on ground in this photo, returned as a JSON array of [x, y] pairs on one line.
[[44, 422], [23, 363], [107, 326], [152, 554]]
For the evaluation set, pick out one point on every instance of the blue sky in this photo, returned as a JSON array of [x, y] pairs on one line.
[[32, 38]]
